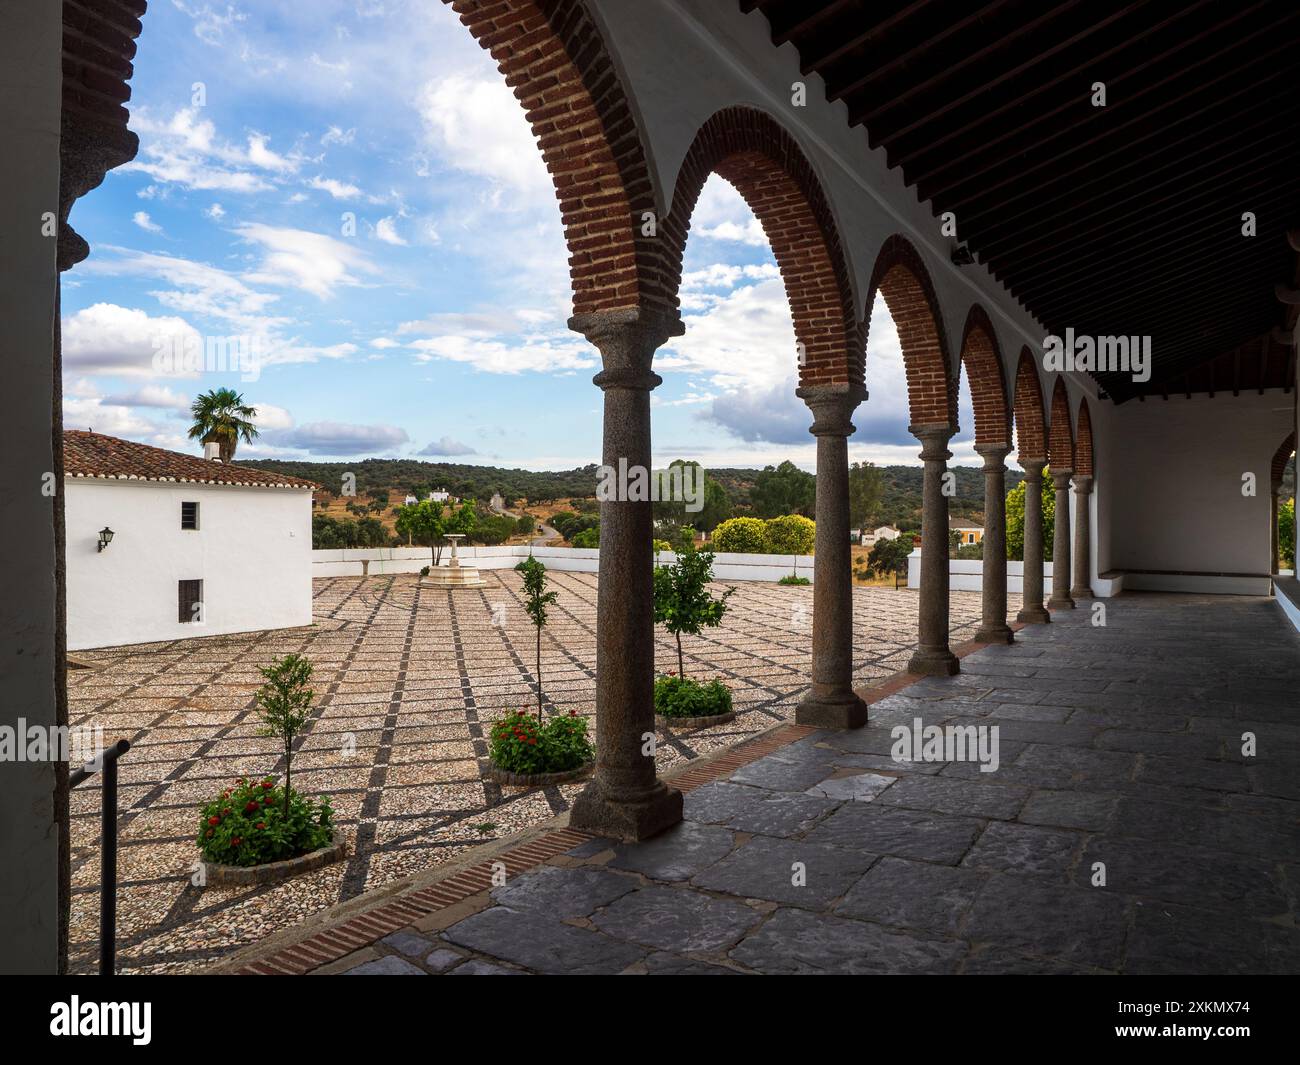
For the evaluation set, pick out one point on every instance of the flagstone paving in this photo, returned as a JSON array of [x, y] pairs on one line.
[[1131, 835], [408, 679]]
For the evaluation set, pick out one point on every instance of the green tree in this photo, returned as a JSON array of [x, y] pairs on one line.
[[222, 417], [423, 523], [783, 489], [889, 556], [1286, 533], [536, 600], [746, 536], [525, 524], [1016, 519], [866, 488], [587, 538], [791, 534], [284, 707], [683, 601]]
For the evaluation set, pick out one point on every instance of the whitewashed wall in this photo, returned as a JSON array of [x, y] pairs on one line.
[[967, 575], [252, 551], [354, 562]]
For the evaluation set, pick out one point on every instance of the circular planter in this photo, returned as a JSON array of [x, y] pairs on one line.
[[694, 722], [232, 875], [533, 780]]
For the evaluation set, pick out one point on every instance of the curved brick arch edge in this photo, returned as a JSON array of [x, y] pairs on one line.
[[1030, 417], [981, 357], [1083, 441], [756, 154], [1280, 458], [557, 63], [1060, 437], [900, 276]]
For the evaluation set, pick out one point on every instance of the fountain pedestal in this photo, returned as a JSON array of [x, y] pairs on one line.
[[454, 575]]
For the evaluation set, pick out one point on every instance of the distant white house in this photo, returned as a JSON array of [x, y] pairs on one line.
[[882, 532], [163, 545], [441, 495]]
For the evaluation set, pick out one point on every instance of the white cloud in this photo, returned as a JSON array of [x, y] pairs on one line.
[[338, 438], [159, 396], [186, 150], [446, 447], [517, 355], [142, 219], [216, 212], [312, 262], [336, 135], [340, 190], [722, 214], [478, 126], [386, 230], [107, 339]]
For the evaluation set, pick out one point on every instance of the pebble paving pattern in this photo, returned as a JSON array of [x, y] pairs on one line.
[[408, 680]]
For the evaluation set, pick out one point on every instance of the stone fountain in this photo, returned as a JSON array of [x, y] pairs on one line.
[[454, 575]]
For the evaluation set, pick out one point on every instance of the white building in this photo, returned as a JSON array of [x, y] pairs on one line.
[[440, 496], [197, 547]]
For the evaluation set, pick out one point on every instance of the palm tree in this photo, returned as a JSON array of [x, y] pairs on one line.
[[221, 417]]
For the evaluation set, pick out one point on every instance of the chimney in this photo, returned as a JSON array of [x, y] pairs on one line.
[[212, 451]]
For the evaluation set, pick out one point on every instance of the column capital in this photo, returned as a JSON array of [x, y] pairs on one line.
[[832, 407], [1033, 467], [1061, 479], [1082, 483], [934, 441], [88, 150], [994, 454], [627, 340]]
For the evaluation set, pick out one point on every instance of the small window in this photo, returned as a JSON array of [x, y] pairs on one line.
[[189, 601], [189, 515]]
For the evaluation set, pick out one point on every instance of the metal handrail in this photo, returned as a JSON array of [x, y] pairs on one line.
[[106, 762]]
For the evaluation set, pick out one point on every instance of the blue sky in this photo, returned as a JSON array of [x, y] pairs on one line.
[[350, 182]]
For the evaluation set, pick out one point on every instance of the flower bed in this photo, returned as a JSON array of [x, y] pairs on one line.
[[249, 824], [525, 753], [681, 702]]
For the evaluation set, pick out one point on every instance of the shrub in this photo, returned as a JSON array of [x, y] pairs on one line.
[[790, 578], [424, 571], [518, 744], [587, 538], [747, 536], [536, 600], [791, 534], [254, 822], [682, 697], [660, 545]]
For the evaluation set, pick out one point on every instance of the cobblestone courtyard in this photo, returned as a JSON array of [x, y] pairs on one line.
[[408, 678]]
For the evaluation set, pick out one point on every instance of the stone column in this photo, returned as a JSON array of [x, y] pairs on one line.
[[832, 703], [933, 656], [1061, 544], [1082, 540], [1032, 611], [993, 624], [625, 799]]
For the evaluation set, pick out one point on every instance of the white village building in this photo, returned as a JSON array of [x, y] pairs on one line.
[[163, 545]]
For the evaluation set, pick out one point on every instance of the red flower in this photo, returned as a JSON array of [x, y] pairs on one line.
[[261, 824], [214, 820], [267, 784], [250, 806], [225, 812], [573, 713], [235, 842], [265, 802]]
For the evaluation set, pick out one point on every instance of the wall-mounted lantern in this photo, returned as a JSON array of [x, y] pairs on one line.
[[105, 537]]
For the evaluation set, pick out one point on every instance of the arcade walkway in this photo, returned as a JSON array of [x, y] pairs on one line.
[[1120, 756]]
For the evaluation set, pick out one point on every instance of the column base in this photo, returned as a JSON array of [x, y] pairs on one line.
[[995, 634], [646, 815], [836, 711], [1060, 604], [1081, 593], [1034, 615], [934, 663]]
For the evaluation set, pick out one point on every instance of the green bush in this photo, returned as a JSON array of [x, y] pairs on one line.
[[746, 536], [683, 697], [791, 534], [790, 578], [518, 744], [251, 824], [588, 538], [660, 545]]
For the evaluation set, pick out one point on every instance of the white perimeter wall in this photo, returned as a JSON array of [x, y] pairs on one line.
[[1175, 500], [726, 566], [252, 551]]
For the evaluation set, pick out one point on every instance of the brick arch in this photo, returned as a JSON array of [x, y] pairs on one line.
[[1060, 435], [1280, 458], [1083, 442], [901, 278], [1031, 421], [555, 60], [752, 151], [982, 358]]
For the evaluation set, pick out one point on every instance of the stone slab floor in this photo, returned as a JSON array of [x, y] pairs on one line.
[[1120, 748], [408, 678]]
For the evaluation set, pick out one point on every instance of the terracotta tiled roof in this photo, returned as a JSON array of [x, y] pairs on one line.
[[110, 458]]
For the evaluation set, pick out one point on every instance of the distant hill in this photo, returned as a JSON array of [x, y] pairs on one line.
[[900, 505]]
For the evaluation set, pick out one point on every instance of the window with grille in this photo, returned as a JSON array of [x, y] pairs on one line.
[[189, 515], [189, 607]]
